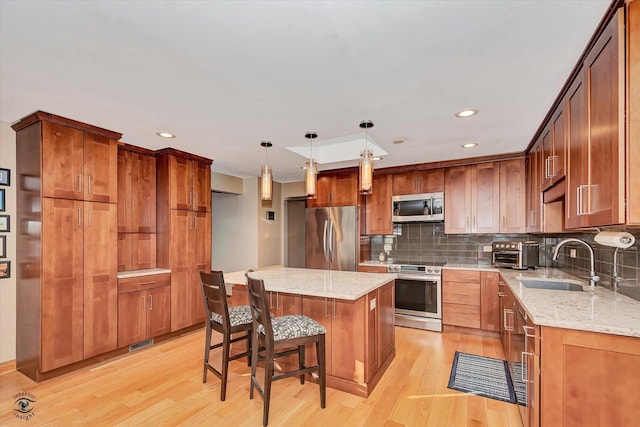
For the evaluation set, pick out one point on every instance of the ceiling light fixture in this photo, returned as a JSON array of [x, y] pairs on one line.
[[469, 145], [398, 141], [165, 135], [366, 162], [311, 169], [265, 174], [466, 113], [377, 158]]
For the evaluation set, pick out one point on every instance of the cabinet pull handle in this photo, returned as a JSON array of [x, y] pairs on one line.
[[547, 174], [475, 223], [196, 201], [523, 377], [461, 294], [466, 223], [150, 302], [79, 217], [89, 218], [144, 303], [500, 294], [333, 302], [504, 319], [79, 183], [89, 183], [151, 282], [277, 300], [504, 222], [326, 308], [270, 299], [190, 198], [526, 332]]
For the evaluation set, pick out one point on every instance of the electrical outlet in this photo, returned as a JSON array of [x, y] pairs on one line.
[[487, 248], [573, 253]]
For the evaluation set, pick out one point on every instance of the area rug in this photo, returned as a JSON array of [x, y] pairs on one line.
[[483, 376]]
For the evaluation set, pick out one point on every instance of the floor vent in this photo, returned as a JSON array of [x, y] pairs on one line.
[[141, 344]]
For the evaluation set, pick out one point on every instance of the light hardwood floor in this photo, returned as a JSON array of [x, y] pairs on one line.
[[162, 385]]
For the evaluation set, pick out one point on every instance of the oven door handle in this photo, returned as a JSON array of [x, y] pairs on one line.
[[418, 278]]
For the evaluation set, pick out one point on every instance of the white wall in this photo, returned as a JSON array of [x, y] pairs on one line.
[[234, 229], [8, 286], [269, 237]]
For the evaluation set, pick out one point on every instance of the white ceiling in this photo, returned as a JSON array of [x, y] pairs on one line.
[[224, 76]]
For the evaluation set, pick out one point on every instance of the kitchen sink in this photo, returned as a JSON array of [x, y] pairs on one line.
[[556, 285]]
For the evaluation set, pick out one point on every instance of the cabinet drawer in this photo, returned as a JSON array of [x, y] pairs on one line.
[[461, 293], [131, 284], [460, 276], [372, 269], [461, 315]]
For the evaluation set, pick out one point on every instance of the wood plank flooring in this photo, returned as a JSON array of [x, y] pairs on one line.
[[162, 386]]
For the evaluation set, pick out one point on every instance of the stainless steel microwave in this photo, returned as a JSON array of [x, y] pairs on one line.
[[418, 207]]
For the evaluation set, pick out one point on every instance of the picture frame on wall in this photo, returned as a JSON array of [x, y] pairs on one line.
[[3, 246], [5, 269], [4, 223], [5, 177], [2, 200]]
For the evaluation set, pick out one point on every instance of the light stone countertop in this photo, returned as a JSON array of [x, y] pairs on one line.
[[595, 309], [347, 285], [144, 272]]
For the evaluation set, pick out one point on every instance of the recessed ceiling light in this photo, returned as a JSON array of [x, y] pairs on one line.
[[469, 145], [165, 135], [375, 159], [466, 113], [398, 141]]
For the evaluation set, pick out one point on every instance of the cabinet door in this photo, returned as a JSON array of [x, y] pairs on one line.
[[62, 283], [559, 133], [534, 196], [512, 196], [200, 242], [485, 200], [323, 192], [345, 190], [404, 183], [547, 153], [378, 206], [457, 200], [62, 162], [489, 302], [181, 177], [158, 311], [125, 196], [100, 278], [348, 359], [181, 253], [320, 310], [100, 168], [143, 194], [386, 320], [430, 181], [143, 251], [605, 106], [577, 153], [201, 187], [125, 246], [132, 317]]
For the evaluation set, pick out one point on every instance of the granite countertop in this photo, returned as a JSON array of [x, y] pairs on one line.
[[144, 272], [595, 309], [347, 285]]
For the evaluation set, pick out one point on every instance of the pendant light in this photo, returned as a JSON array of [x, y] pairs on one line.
[[310, 169], [366, 162], [265, 174]]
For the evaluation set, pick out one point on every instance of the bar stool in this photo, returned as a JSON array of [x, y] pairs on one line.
[[281, 336], [226, 320]]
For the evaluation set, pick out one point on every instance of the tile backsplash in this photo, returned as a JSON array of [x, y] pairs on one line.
[[427, 242]]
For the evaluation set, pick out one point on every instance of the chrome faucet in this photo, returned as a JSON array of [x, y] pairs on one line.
[[593, 278]]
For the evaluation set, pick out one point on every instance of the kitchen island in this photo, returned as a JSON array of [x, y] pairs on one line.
[[357, 310]]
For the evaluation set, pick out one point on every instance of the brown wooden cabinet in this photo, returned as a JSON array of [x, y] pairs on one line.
[[534, 189], [554, 142], [512, 196], [489, 302], [418, 181], [136, 251], [472, 199], [144, 308], [470, 299], [378, 206], [136, 190], [186, 178], [66, 242], [336, 189], [595, 114]]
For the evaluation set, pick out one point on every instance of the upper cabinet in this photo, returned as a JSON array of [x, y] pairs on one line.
[[596, 134], [378, 206], [418, 182], [188, 178], [533, 191], [336, 189], [77, 164], [554, 141], [512, 196], [136, 191]]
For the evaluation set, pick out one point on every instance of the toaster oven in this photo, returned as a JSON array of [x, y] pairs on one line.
[[516, 255]]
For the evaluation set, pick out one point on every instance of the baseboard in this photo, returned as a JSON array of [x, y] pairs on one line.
[[6, 367]]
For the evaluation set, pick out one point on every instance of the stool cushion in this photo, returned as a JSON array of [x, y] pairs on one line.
[[294, 326], [238, 315]]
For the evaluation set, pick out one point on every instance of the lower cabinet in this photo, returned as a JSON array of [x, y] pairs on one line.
[[144, 308], [470, 299]]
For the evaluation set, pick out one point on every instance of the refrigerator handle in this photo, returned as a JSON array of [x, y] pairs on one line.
[[331, 239], [324, 241]]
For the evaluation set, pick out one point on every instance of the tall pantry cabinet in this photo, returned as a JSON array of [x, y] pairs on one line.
[[184, 230], [66, 242]]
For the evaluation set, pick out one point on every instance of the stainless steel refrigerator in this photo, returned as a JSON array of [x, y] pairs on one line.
[[331, 238]]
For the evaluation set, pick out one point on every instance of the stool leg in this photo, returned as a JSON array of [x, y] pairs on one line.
[[268, 375], [225, 366], [254, 361], [301, 361], [207, 348], [322, 371], [249, 347]]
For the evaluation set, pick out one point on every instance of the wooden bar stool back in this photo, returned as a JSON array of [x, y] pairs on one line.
[[225, 320], [281, 336]]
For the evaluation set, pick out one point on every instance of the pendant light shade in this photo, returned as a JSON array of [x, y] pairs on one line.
[[310, 169], [266, 186], [366, 162]]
